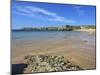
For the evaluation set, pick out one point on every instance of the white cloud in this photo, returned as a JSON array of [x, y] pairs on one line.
[[41, 14], [79, 10], [41, 10], [62, 19]]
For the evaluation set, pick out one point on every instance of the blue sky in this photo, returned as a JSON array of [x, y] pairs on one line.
[[34, 14]]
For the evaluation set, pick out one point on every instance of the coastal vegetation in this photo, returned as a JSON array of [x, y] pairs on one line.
[[58, 28], [89, 27]]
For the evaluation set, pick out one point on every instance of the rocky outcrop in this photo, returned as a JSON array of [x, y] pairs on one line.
[[47, 63]]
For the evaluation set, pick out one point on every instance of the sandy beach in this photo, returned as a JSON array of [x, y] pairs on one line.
[[78, 51], [86, 30]]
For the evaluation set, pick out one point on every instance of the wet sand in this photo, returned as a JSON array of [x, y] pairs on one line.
[[79, 52]]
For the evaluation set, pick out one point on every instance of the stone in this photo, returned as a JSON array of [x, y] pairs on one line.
[[48, 63]]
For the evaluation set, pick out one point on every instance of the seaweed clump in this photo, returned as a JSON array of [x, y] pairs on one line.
[[48, 63]]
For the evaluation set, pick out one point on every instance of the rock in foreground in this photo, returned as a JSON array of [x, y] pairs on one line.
[[47, 63]]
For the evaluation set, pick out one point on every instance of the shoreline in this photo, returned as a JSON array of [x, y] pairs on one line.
[[86, 30], [89, 31]]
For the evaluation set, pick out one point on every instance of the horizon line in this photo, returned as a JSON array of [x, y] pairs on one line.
[[54, 26]]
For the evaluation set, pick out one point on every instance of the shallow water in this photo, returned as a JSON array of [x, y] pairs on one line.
[[79, 46], [50, 35]]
